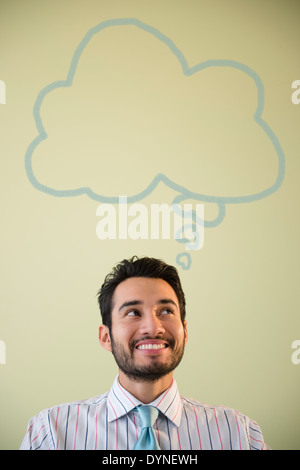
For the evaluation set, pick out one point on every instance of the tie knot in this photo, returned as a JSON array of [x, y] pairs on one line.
[[148, 415]]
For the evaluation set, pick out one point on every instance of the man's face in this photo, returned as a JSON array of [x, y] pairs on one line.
[[147, 336]]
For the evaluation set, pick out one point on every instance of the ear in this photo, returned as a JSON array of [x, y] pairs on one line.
[[185, 331], [104, 337]]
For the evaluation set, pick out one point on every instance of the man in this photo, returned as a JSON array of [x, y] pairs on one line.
[[142, 306]]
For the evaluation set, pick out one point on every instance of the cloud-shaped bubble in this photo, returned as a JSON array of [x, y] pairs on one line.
[[197, 130]]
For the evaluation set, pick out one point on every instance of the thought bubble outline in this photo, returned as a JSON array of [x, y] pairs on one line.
[[184, 193]]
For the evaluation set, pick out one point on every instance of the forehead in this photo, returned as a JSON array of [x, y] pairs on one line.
[[144, 289]]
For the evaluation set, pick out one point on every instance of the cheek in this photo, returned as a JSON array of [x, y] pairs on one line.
[[178, 333], [122, 334]]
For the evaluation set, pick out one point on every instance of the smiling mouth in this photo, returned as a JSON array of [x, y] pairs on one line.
[[153, 346]]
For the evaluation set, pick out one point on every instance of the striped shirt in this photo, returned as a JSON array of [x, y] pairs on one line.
[[110, 422]]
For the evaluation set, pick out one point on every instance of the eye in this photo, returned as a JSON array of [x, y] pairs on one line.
[[166, 311], [132, 313]]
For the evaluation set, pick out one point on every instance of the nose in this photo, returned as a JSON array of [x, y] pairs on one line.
[[151, 325]]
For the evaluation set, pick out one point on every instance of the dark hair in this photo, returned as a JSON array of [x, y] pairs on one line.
[[138, 267]]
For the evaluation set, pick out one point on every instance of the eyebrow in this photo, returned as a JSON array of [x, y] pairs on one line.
[[132, 303]]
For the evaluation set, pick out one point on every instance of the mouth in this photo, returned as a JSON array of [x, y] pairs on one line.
[[153, 346]]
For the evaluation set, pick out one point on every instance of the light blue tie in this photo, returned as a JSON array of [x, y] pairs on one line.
[[147, 440]]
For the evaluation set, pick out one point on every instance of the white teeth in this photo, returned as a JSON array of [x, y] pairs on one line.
[[151, 346]]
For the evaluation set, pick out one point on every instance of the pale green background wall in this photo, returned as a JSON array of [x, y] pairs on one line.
[[131, 114]]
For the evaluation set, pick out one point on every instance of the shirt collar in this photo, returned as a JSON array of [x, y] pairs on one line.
[[120, 402]]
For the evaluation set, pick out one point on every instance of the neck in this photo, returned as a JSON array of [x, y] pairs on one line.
[[145, 391]]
